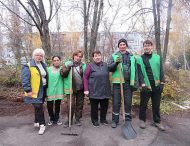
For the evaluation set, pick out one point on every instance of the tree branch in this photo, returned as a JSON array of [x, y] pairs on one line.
[[51, 9], [136, 13], [16, 14], [57, 9], [30, 16]]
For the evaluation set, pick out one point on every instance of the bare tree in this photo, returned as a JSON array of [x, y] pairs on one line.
[[28, 37], [57, 41], [86, 12], [15, 34], [98, 8], [156, 14], [40, 19], [167, 30], [1, 44], [108, 26]]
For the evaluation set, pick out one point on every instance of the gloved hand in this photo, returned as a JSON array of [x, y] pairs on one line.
[[133, 88], [118, 60], [146, 89], [160, 88], [70, 65]]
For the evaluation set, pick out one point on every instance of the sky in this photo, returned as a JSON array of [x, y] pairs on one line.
[[72, 20], [70, 15]]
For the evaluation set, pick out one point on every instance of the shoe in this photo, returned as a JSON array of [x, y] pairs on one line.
[[96, 124], [78, 123], [59, 122], [50, 123], [142, 124], [42, 129], [159, 126], [113, 124], [36, 125], [105, 122], [66, 124]]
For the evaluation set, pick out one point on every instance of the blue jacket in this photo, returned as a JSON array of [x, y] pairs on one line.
[[26, 82]]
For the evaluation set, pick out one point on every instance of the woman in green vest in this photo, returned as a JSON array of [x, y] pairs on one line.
[[54, 91], [74, 68]]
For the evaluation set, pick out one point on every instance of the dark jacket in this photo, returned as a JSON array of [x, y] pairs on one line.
[[99, 83], [112, 66], [26, 82], [65, 72]]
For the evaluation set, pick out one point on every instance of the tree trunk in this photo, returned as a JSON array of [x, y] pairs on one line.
[[95, 25], [85, 32], [167, 30], [156, 14], [45, 39], [93, 29]]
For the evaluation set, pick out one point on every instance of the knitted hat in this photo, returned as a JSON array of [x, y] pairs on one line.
[[122, 40]]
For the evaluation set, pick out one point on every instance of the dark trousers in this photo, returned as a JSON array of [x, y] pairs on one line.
[[94, 109], [116, 101], [39, 113], [54, 110], [44, 93], [39, 109], [155, 99], [77, 104]]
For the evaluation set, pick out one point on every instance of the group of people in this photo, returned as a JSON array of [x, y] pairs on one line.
[[73, 77]]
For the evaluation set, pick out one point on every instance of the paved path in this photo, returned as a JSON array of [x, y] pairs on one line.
[[19, 131]]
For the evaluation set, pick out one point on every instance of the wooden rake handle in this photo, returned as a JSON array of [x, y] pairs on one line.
[[122, 93]]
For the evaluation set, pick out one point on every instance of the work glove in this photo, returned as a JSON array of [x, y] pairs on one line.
[[70, 65], [133, 88], [118, 60], [160, 88], [145, 89]]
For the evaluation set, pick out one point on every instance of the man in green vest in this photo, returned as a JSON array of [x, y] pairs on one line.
[[151, 78], [74, 85], [122, 62]]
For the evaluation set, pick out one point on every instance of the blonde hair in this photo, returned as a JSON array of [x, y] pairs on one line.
[[38, 50]]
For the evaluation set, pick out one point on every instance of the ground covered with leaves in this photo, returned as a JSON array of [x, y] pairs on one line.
[[176, 89]]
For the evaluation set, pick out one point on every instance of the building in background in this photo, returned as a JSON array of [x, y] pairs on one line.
[[65, 43]]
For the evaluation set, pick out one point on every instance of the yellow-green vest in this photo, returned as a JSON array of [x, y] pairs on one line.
[[155, 66], [116, 74], [67, 81]]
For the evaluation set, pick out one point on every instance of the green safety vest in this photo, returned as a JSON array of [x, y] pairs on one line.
[[67, 81], [155, 66], [116, 74], [55, 85]]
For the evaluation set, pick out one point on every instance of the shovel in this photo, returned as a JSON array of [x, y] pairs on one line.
[[70, 104], [127, 128]]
